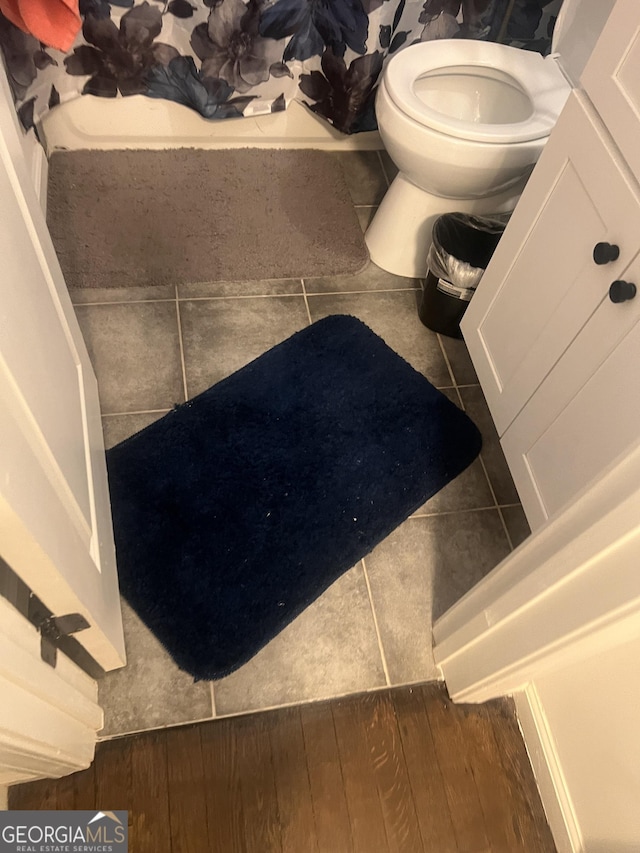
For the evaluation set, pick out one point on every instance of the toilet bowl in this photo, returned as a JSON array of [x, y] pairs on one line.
[[465, 122]]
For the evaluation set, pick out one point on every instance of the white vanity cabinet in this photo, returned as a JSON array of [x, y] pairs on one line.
[[558, 360], [612, 79]]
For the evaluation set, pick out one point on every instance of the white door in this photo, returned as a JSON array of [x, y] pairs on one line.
[[55, 522]]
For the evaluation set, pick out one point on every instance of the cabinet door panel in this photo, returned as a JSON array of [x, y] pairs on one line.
[[582, 417], [611, 79], [542, 284]]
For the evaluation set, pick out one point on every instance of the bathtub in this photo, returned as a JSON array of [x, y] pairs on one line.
[[141, 122]]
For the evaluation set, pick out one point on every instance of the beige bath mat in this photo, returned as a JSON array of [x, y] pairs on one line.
[[128, 218]]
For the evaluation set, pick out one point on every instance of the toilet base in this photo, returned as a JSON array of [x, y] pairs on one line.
[[399, 235]]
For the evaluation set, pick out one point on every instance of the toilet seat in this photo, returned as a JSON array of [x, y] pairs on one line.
[[532, 76]]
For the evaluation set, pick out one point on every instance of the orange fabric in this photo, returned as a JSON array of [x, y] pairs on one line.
[[56, 23]]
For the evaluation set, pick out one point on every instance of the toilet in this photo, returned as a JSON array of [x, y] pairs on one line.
[[465, 122]]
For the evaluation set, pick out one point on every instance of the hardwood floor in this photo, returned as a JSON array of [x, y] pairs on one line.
[[397, 770]]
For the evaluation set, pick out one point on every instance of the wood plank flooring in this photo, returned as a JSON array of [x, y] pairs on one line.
[[401, 770]]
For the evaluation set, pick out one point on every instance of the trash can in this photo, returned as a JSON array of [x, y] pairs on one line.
[[461, 250]]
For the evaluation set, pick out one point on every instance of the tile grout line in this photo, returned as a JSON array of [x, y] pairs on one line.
[[306, 301], [371, 292], [253, 296], [125, 301], [447, 362], [482, 462], [484, 508], [459, 396], [202, 298], [435, 514], [241, 296], [181, 344], [495, 500], [137, 412], [505, 528], [484, 467], [383, 658]]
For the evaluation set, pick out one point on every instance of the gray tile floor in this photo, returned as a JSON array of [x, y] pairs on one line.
[[153, 347]]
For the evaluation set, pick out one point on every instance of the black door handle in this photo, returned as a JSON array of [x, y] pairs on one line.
[[604, 253], [621, 291]]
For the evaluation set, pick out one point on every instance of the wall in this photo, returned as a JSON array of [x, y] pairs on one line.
[[589, 711]]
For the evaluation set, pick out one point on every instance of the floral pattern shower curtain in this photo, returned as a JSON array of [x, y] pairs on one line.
[[228, 58]]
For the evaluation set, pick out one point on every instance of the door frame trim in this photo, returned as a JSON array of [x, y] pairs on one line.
[[571, 588]]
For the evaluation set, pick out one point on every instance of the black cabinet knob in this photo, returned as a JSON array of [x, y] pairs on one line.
[[604, 253], [621, 291]]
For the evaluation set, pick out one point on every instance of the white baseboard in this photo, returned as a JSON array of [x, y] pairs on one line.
[[548, 772]]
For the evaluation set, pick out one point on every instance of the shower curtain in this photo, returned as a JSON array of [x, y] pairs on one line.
[[228, 58]]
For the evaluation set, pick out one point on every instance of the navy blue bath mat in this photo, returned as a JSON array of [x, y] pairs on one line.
[[236, 510]]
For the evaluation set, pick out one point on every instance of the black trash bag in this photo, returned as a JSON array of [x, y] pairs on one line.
[[460, 253]]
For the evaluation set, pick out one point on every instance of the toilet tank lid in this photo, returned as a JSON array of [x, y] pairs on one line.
[[577, 28]]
